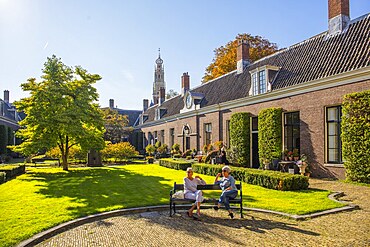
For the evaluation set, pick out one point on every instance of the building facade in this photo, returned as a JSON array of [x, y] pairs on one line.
[[307, 80]]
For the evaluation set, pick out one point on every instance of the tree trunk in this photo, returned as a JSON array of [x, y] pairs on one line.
[[65, 155]]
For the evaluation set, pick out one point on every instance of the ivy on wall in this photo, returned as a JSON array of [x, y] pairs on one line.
[[356, 136], [270, 134], [240, 138]]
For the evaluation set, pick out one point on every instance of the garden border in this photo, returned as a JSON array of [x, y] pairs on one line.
[[42, 236]]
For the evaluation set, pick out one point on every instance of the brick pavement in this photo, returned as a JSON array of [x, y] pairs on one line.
[[215, 229]]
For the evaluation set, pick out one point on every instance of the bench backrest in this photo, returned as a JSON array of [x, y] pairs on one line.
[[205, 187]]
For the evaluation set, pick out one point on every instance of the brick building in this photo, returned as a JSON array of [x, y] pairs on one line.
[[307, 80]]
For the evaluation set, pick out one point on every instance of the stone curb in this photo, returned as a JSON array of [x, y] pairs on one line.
[[42, 236]]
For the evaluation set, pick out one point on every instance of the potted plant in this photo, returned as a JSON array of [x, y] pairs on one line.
[[290, 155], [296, 154]]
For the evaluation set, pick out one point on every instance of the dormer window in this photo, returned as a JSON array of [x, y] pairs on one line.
[[262, 79], [159, 113]]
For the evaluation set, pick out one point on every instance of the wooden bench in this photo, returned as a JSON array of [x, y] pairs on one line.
[[177, 187]]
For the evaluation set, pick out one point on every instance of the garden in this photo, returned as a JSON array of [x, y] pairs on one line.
[[45, 197]]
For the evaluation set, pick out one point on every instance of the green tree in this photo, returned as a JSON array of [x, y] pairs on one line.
[[115, 126], [225, 56], [171, 93], [3, 139], [60, 111]]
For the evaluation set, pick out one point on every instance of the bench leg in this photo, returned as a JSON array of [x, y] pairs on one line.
[[174, 208], [170, 208], [241, 211]]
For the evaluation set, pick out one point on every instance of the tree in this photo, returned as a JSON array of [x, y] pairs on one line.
[[225, 56], [60, 111], [171, 93], [115, 126]]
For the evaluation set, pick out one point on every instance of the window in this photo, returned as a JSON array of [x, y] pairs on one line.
[[208, 133], [162, 137], [155, 137], [172, 137], [334, 144], [291, 131], [259, 82], [227, 133]]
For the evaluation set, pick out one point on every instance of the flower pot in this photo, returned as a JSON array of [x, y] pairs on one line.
[[296, 158], [307, 174], [150, 161], [291, 170]]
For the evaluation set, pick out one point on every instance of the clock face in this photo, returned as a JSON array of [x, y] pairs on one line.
[[189, 101]]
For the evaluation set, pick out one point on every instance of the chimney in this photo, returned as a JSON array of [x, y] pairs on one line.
[[6, 96], [242, 55], [162, 95], [111, 103], [145, 104], [185, 83], [338, 16]]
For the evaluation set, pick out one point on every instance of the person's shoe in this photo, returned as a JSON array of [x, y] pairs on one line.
[[215, 208], [190, 215], [231, 215]]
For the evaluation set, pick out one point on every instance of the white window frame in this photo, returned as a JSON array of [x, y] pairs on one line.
[[255, 79]]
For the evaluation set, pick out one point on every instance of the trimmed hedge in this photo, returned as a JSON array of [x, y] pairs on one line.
[[268, 179], [175, 164], [2, 177], [13, 171], [355, 136], [240, 137], [269, 134]]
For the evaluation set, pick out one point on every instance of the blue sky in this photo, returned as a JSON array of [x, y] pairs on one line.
[[120, 39]]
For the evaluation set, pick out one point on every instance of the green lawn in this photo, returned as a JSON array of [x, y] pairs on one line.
[[45, 197]]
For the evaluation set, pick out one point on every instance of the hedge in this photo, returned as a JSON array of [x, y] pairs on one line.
[[175, 164], [355, 136], [268, 179], [2, 177], [240, 138], [13, 171], [269, 134]]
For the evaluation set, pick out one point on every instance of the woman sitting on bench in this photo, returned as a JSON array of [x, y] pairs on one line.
[[191, 192], [229, 190]]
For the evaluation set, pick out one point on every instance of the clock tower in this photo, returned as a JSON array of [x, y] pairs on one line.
[[158, 83]]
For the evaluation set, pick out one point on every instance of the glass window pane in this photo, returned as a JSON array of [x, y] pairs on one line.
[[332, 128], [254, 123], [332, 113], [333, 142], [333, 155]]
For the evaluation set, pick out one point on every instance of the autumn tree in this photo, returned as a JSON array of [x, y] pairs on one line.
[[60, 111], [225, 56], [115, 126], [119, 151]]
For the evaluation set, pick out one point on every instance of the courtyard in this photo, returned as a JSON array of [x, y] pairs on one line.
[[256, 229]]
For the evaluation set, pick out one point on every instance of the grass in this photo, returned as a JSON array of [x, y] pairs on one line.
[[45, 197]]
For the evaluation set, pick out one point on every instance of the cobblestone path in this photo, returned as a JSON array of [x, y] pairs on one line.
[[215, 229]]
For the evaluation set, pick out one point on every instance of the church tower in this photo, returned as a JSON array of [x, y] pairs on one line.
[[159, 87]]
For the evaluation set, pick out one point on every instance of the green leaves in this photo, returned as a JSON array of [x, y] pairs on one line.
[[60, 110], [270, 134], [355, 136], [240, 138]]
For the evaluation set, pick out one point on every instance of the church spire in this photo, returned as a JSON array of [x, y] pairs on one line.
[[158, 83]]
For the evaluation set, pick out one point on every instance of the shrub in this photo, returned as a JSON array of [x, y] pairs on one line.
[[187, 153], [176, 148], [270, 134], [119, 151], [12, 170], [240, 138], [2, 177], [189, 157], [150, 149], [356, 136], [218, 145], [175, 164], [268, 179], [177, 155]]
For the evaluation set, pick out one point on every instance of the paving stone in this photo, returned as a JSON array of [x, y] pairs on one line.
[[350, 228]]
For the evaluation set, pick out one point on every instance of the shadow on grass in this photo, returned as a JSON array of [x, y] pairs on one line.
[[94, 190]]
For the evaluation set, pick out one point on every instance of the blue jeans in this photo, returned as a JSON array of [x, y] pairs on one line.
[[226, 195]]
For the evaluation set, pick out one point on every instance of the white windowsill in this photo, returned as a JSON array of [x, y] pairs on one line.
[[334, 165]]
